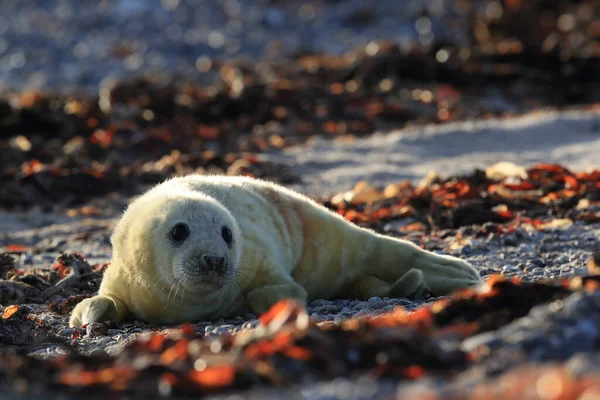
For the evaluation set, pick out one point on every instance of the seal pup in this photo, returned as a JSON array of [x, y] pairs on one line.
[[203, 247]]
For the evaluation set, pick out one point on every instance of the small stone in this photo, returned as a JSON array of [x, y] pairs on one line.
[[347, 312], [538, 262], [377, 304], [538, 271], [563, 260], [96, 329], [526, 248], [250, 324], [446, 233], [466, 230], [66, 332], [374, 299], [362, 313], [487, 271], [97, 352], [401, 302], [510, 269], [522, 234], [488, 339], [221, 330], [510, 240], [530, 268]]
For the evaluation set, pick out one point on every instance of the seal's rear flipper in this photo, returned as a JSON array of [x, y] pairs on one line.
[[408, 267]]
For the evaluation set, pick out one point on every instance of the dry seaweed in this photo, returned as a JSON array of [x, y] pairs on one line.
[[547, 193], [287, 348]]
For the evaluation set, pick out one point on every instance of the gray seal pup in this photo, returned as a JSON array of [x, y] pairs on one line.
[[202, 247]]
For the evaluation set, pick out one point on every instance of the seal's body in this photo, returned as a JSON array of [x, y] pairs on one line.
[[205, 247]]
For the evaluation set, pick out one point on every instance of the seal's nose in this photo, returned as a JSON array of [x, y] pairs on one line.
[[216, 263]]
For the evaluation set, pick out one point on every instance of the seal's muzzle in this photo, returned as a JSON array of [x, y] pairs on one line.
[[214, 264]]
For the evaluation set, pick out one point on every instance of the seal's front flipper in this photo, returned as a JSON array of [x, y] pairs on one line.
[[97, 309], [262, 297], [411, 285]]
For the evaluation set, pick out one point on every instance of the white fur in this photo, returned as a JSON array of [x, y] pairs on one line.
[[285, 245]]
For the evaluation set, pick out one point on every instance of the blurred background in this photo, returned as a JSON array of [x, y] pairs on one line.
[[104, 96]]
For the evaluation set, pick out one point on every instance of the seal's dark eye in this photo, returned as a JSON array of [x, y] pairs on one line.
[[227, 235], [180, 232]]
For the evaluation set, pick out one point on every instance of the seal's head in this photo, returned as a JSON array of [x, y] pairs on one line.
[[179, 239], [199, 239]]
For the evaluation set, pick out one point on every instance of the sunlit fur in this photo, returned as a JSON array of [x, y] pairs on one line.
[[285, 245]]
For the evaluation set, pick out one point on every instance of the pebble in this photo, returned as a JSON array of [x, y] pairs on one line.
[[95, 329], [362, 313], [510, 269], [483, 339], [98, 352], [538, 262], [510, 240], [563, 260], [221, 330], [348, 312], [522, 234], [250, 324], [377, 304], [401, 302], [66, 332], [227, 327], [487, 271], [466, 250]]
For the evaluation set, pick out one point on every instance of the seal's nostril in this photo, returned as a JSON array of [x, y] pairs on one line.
[[214, 262]]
